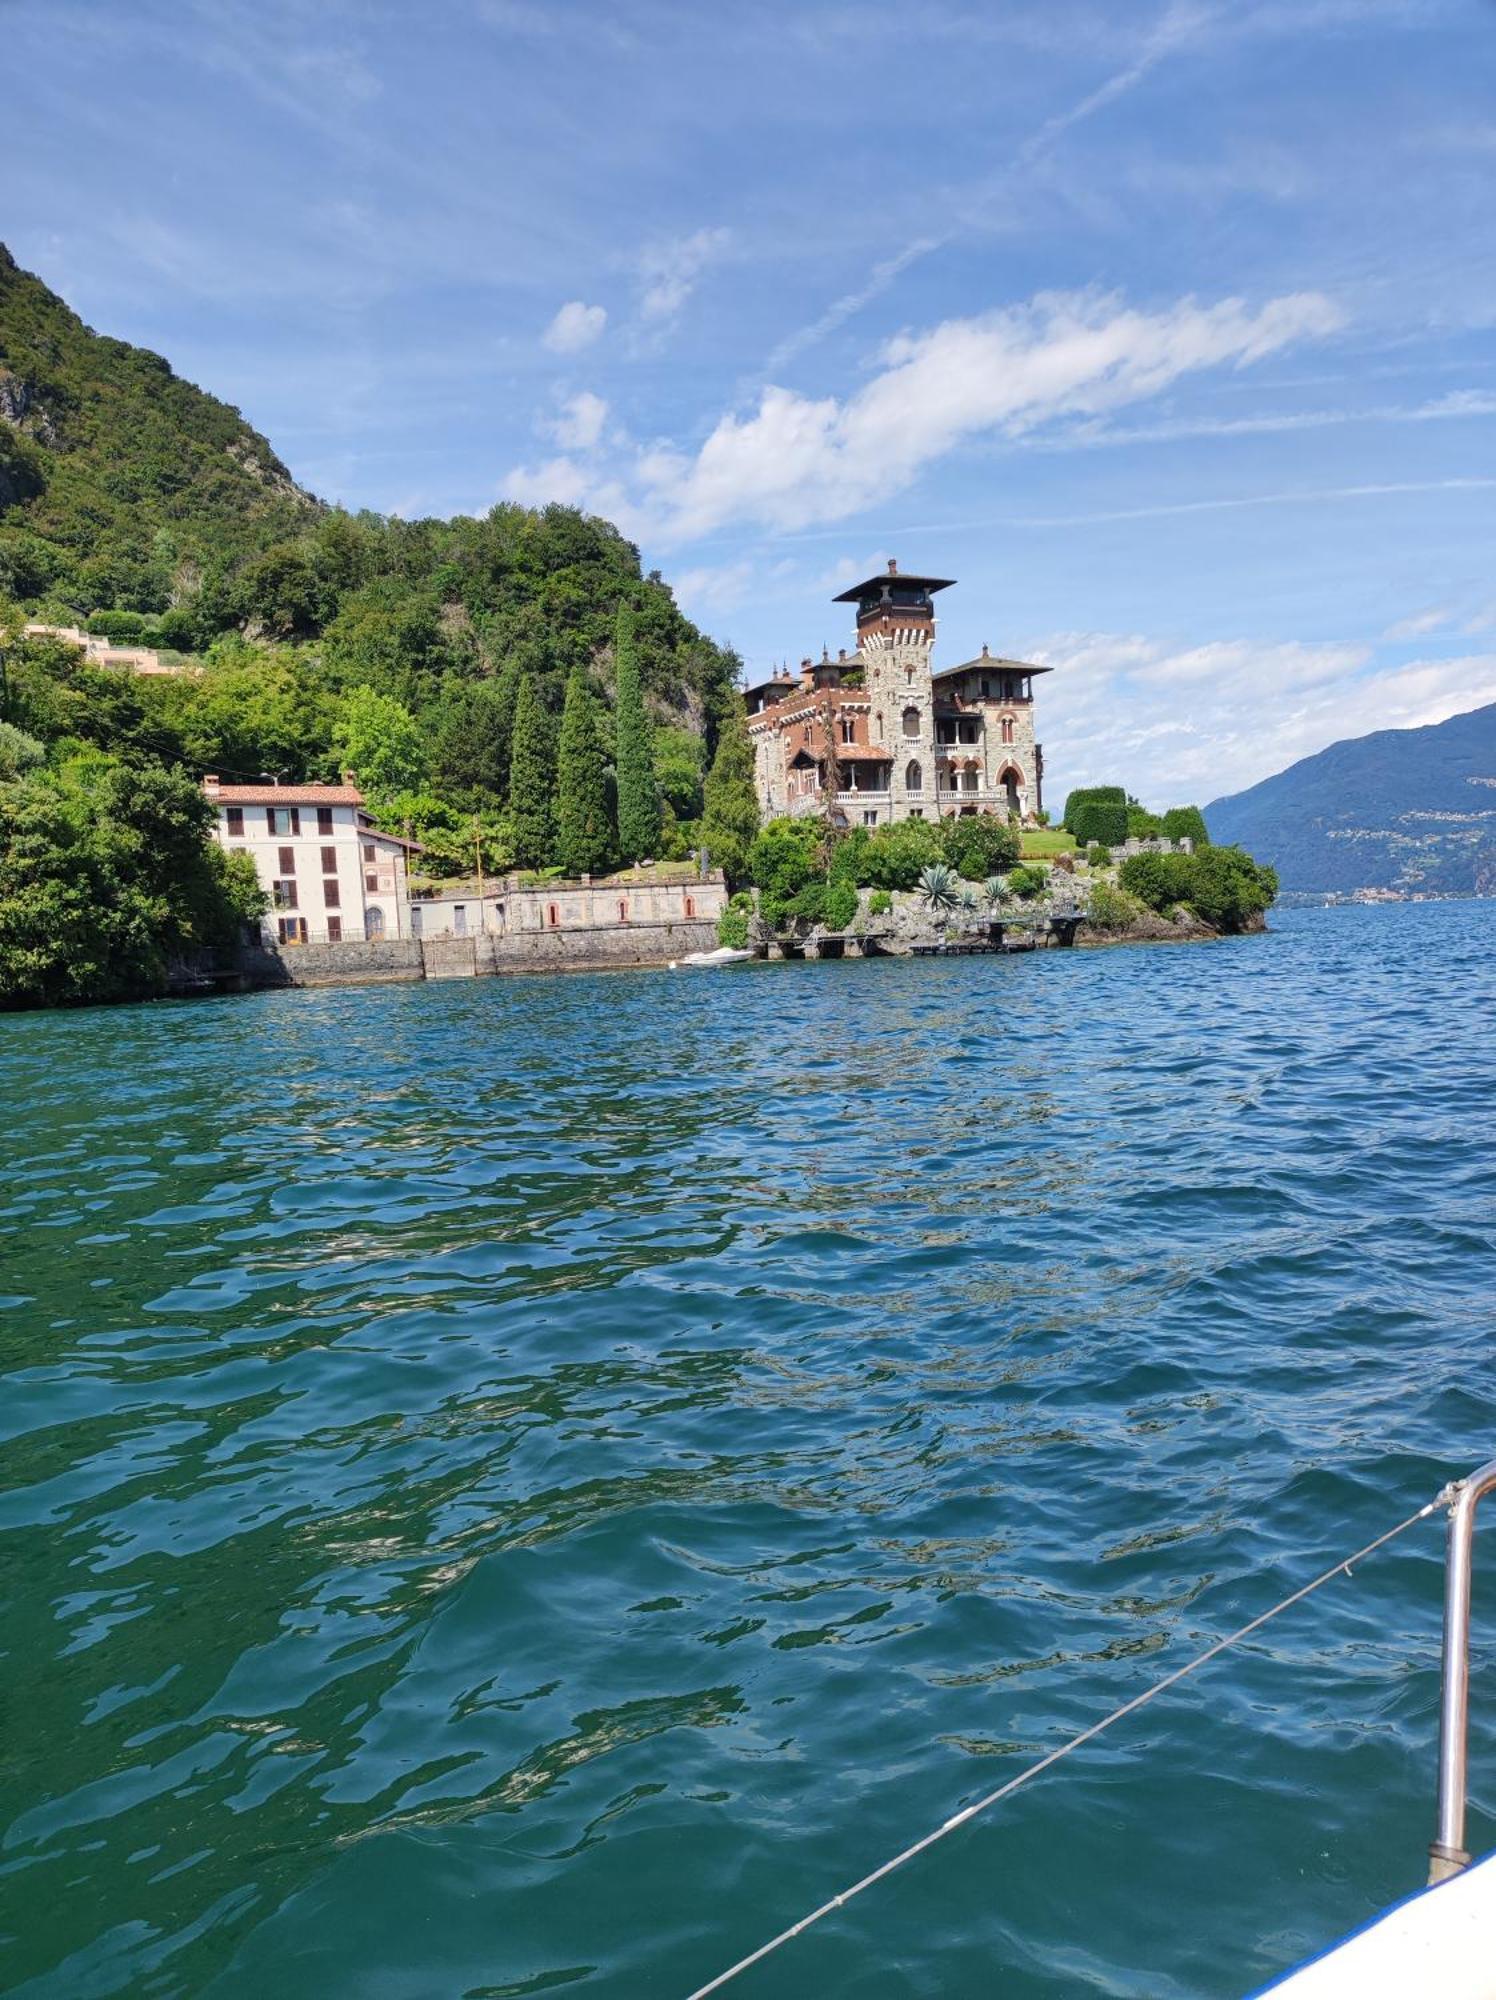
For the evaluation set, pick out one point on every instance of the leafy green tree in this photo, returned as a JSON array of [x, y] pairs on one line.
[[379, 740], [638, 796], [584, 824], [980, 844], [730, 818], [677, 769], [532, 781]]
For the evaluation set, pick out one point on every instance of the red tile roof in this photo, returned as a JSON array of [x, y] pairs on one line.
[[282, 795]]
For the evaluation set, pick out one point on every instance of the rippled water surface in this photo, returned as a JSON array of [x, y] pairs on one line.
[[527, 1485]]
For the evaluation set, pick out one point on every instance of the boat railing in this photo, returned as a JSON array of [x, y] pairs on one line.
[[1447, 1854]]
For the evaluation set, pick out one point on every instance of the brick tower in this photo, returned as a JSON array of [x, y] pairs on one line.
[[895, 633]]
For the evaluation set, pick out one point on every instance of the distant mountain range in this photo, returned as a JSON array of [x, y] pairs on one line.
[[1412, 811]]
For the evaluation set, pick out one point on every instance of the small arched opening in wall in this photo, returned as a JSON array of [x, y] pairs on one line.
[[911, 722], [1008, 726], [1011, 780], [914, 777], [373, 923]]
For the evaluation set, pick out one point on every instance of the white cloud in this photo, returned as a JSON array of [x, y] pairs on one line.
[[1419, 625], [797, 460], [575, 326], [669, 271], [1196, 723], [579, 427]]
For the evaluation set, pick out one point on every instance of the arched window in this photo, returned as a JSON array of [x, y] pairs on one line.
[[914, 777], [1007, 729], [373, 923], [848, 730], [911, 722]]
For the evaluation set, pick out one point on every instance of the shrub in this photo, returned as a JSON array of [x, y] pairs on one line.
[[896, 856], [782, 858], [979, 845], [809, 903], [1160, 881], [840, 906], [1027, 880], [1112, 909], [1091, 795], [1142, 824], [1099, 856], [1225, 887], [849, 859], [879, 903], [120, 625], [1185, 823], [1103, 821], [939, 886], [732, 928]]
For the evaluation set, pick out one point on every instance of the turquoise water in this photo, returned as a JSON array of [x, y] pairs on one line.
[[526, 1486]]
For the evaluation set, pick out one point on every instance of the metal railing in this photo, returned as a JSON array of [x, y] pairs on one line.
[[1447, 1854]]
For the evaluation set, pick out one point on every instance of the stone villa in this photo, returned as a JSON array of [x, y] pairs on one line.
[[330, 875], [887, 736]]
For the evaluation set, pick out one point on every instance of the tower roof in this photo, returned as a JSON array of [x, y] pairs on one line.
[[894, 575]]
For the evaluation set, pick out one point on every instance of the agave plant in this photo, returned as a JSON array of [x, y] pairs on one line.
[[969, 902], [940, 886], [993, 891]]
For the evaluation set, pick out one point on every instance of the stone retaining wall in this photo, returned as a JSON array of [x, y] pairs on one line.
[[393, 960]]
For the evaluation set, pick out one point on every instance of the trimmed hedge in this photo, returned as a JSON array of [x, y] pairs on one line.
[[1100, 823], [1085, 795]]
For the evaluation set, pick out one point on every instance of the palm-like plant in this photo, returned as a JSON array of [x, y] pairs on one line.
[[993, 891], [939, 886]]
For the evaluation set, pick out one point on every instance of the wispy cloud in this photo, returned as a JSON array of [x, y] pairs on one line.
[[669, 271], [1198, 722], [795, 460]]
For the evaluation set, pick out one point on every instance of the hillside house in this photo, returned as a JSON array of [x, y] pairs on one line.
[[330, 874]]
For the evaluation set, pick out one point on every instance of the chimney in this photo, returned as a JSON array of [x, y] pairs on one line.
[[893, 568], [807, 674], [210, 782]]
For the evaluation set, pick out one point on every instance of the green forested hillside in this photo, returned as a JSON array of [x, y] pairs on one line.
[[1412, 811], [319, 641]]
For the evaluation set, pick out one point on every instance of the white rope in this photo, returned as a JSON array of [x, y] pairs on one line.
[[837, 1902]]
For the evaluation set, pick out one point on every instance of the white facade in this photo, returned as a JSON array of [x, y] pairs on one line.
[[506, 911], [331, 877]]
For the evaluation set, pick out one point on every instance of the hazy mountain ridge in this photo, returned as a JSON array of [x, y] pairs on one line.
[[1410, 811]]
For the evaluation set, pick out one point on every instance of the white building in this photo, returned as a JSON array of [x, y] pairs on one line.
[[330, 875]]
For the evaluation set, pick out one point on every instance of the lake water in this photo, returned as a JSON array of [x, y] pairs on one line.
[[524, 1486]]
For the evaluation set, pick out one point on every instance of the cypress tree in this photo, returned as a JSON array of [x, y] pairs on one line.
[[532, 780], [584, 826], [638, 794], [730, 816], [506, 697]]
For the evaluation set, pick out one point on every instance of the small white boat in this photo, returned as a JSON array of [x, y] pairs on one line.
[[723, 955]]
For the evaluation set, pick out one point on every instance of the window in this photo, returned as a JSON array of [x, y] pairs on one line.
[[371, 883], [623, 911], [459, 919], [911, 722], [914, 777], [916, 812], [986, 686], [849, 731], [292, 930], [283, 895], [870, 819], [1007, 729], [690, 906], [288, 861], [335, 930], [415, 921], [329, 861], [368, 850], [324, 819], [552, 914], [331, 895], [236, 822], [283, 819]]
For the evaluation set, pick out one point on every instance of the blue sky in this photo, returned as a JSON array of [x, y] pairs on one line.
[[1167, 327]]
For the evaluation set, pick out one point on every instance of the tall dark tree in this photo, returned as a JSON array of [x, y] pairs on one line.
[[638, 794], [730, 816], [584, 825], [506, 699], [470, 744], [532, 780]]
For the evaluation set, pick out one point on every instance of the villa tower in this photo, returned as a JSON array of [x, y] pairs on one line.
[[880, 734]]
